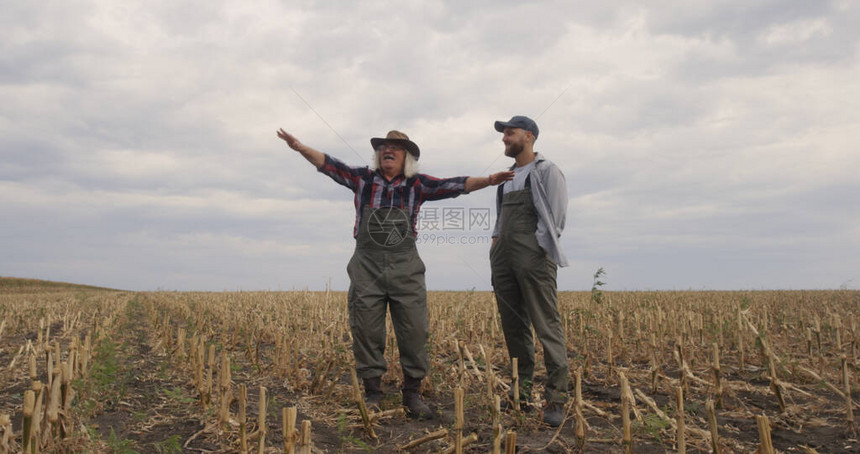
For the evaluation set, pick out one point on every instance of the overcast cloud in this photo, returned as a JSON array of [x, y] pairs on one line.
[[706, 145]]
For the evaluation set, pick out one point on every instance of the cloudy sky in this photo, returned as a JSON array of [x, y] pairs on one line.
[[706, 144]]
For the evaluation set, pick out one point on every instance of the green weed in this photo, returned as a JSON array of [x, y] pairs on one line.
[[346, 436], [107, 382], [169, 446], [652, 425], [178, 395], [596, 294], [118, 446]]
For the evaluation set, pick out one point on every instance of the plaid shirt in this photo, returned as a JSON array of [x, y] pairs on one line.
[[373, 190]]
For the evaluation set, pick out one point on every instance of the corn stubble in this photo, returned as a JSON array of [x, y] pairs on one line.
[[694, 350]]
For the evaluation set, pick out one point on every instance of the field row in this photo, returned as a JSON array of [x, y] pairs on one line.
[[273, 372]]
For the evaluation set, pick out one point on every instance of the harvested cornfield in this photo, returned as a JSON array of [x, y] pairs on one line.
[[88, 369]]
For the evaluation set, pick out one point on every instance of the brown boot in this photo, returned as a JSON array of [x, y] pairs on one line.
[[373, 392], [415, 405]]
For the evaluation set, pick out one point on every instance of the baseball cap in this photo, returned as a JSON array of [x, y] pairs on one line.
[[518, 121]]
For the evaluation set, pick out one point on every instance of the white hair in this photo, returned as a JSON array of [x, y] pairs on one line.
[[410, 164]]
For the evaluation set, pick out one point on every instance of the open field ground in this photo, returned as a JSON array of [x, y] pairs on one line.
[[84, 369]]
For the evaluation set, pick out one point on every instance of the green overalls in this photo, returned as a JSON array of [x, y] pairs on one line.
[[386, 272], [524, 281]]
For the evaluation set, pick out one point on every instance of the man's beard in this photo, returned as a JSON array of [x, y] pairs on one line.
[[513, 150]]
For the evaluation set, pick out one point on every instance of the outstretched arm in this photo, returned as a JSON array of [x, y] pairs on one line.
[[476, 183], [313, 156]]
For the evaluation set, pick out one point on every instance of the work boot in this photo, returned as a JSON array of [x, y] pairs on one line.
[[373, 392], [415, 405], [553, 414]]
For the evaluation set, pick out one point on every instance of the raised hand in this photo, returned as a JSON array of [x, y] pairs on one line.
[[314, 157], [291, 140]]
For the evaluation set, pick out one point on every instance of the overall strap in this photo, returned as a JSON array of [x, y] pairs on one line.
[[500, 191], [528, 184]]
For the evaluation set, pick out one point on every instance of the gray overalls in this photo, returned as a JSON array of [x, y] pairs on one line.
[[386, 272], [524, 281]]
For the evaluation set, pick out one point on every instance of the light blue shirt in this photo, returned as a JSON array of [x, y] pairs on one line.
[[549, 196], [521, 174]]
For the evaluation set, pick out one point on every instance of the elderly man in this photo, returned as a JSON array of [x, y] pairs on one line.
[[524, 258], [385, 270]]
